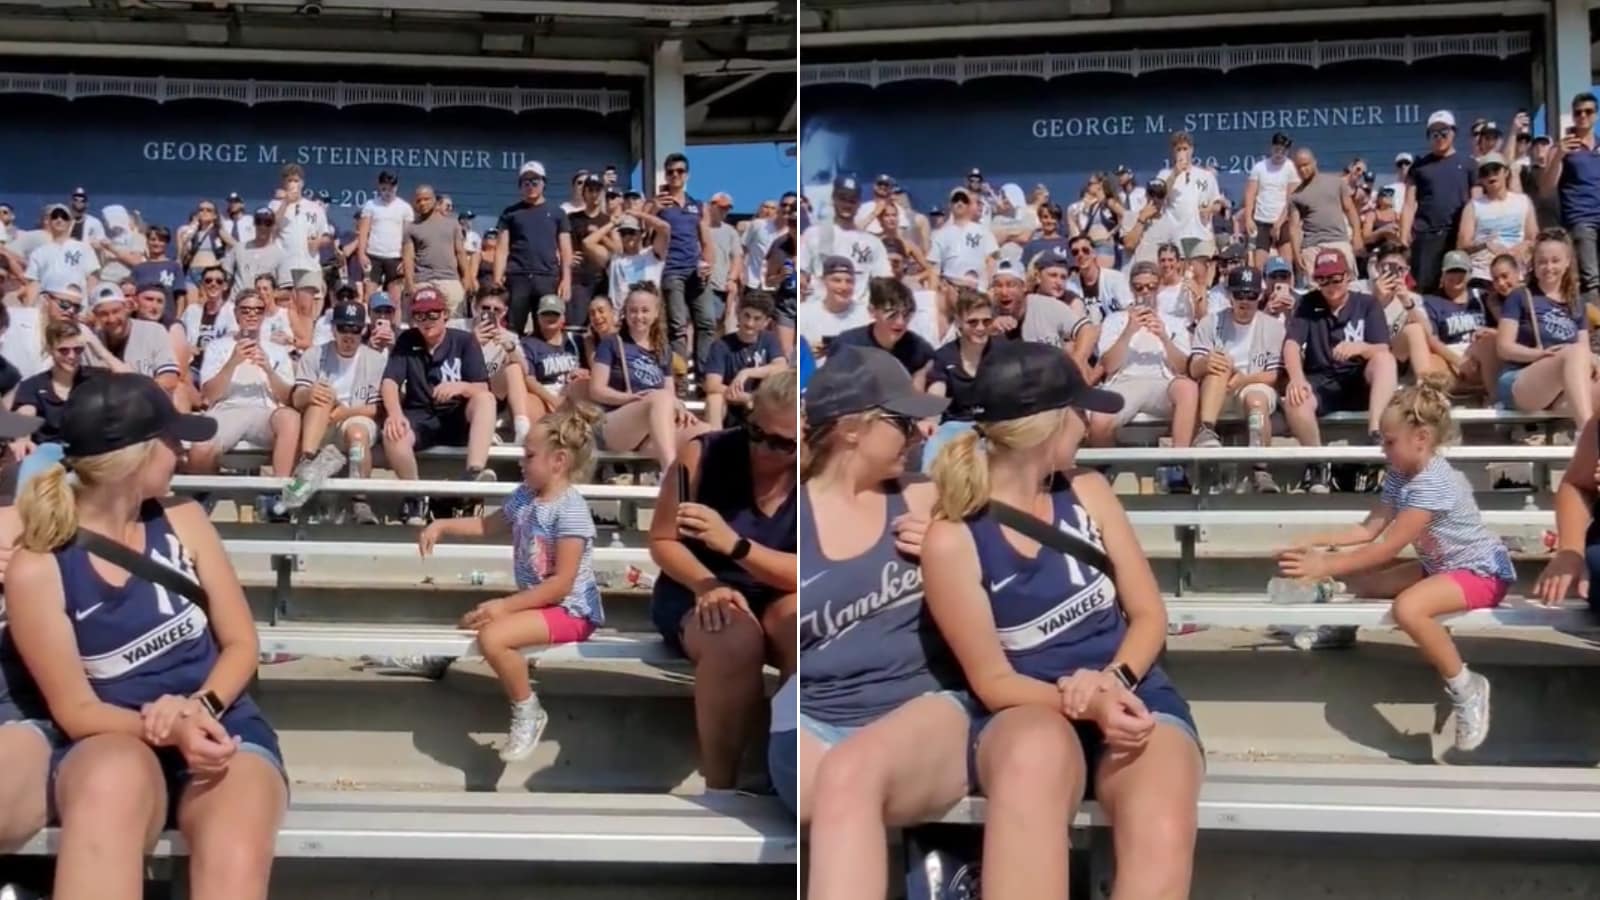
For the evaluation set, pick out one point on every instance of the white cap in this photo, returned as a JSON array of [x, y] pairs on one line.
[[63, 284], [1007, 268], [107, 293], [1442, 117], [531, 167], [1403, 158]]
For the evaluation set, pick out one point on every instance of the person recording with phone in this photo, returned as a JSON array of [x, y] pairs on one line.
[[1153, 227], [1572, 174], [246, 381]]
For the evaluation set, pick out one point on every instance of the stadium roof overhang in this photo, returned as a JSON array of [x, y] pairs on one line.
[[738, 56]]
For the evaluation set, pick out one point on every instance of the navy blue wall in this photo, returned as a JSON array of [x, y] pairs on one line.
[[1024, 130], [161, 158]]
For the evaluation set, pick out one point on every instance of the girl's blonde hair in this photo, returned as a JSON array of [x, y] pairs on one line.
[[48, 504], [1426, 404], [778, 392], [961, 468], [570, 429]]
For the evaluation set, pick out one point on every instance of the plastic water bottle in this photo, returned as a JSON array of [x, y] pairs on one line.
[[1256, 422], [358, 456], [616, 541], [475, 577], [1285, 591], [309, 478]]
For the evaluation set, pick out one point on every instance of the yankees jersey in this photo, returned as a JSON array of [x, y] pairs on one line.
[[864, 250]]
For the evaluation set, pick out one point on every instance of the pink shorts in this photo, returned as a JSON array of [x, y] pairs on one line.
[[1480, 591], [565, 628]]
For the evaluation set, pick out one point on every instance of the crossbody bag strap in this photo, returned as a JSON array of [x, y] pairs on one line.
[[140, 565], [1054, 538]]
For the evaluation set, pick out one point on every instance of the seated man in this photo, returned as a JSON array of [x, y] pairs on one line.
[[892, 305], [22, 344], [145, 347], [246, 381], [1337, 359], [1104, 290], [1034, 317], [502, 355], [336, 393], [435, 392], [740, 359], [1144, 353], [1237, 356]]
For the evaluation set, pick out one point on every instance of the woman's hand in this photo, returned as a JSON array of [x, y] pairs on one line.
[[1303, 563], [1561, 574], [716, 607], [706, 525], [428, 537], [683, 418], [486, 612], [206, 746], [909, 530], [21, 447], [1078, 691], [1123, 719], [162, 715]]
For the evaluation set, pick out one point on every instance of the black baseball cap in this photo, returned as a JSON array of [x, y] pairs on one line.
[[1021, 378], [834, 265], [114, 410], [847, 186], [349, 314], [1244, 280], [858, 379]]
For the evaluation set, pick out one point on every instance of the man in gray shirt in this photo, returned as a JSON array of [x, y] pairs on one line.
[[433, 252], [1035, 317], [727, 262], [1322, 214], [146, 347]]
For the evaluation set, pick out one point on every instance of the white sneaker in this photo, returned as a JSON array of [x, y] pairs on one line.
[[526, 729], [1472, 714]]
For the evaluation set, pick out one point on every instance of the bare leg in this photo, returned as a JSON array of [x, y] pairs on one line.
[[1415, 610], [502, 643], [811, 753], [1386, 581], [1213, 394], [727, 691], [1540, 384], [515, 390], [480, 429], [1185, 397], [231, 826], [1152, 797], [781, 627], [1302, 421], [401, 456], [23, 782], [313, 428], [1383, 377], [113, 801], [1032, 771], [285, 425]]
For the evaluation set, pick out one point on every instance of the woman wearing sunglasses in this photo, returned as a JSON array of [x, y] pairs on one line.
[[727, 592]]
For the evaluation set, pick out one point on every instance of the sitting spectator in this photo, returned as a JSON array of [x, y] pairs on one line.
[[1452, 335], [213, 316], [25, 736], [837, 310], [1390, 268], [727, 591], [1102, 288], [1543, 339], [602, 325], [147, 306], [955, 366], [1182, 291], [1337, 359], [245, 382], [502, 357], [552, 534], [1033, 317], [73, 354], [631, 377], [1505, 276], [1574, 569], [556, 369], [739, 360], [435, 393], [23, 344], [1144, 354], [145, 347], [1280, 292], [336, 394], [1237, 357], [892, 306], [618, 246], [383, 330]]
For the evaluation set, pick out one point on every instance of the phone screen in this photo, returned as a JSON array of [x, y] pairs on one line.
[[683, 485]]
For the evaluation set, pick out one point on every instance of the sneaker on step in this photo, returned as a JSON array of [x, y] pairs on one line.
[[414, 511], [526, 729], [482, 475], [1261, 482], [430, 667], [361, 512], [1472, 714], [1318, 479], [1207, 438]]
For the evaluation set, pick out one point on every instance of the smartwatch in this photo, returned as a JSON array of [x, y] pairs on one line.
[[1124, 674], [212, 703], [741, 549]]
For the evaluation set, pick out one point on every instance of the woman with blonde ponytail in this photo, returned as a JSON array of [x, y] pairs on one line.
[[1059, 643], [143, 669]]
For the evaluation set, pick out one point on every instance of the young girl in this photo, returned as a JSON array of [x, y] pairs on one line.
[[552, 546], [1461, 564]]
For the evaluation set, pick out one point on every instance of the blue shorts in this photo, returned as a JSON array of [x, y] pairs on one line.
[[783, 767], [831, 735], [1165, 705], [255, 736], [1503, 386]]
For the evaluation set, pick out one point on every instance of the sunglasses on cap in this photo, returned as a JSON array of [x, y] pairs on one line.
[[760, 437]]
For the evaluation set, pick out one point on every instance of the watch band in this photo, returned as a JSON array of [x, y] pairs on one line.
[[741, 549], [1124, 674], [212, 703]]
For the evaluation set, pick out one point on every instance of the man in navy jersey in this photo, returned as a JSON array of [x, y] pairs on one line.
[[435, 392], [685, 279], [1572, 175], [534, 254], [892, 306], [1437, 190], [739, 360]]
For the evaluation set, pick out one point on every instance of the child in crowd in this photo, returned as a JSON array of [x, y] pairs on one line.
[[552, 546], [1460, 563]]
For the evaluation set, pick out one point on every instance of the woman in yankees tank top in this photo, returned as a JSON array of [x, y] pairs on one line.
[[146, 685], [1047, 638], [883, 717]]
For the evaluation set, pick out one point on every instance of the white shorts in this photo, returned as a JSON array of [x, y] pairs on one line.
[[241, 424], [1235, 405], [1142, 395]]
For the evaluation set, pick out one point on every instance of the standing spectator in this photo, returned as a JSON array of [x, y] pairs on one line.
[[236, 224], [684, 279], [1546, 200], [300, 224], [1322, 214], [86, 226], [60, 254], [201, 243], [1543, 338], [336, 393], [727, 261], [435, 392], [739, 360], [380, 225], [157, 269], [963, 245], [758, 240], [892, 306], [783, 275], [1152, 228], [1237, 357], [249, 260], [588, 273], [827, 242], [1337, 359], [1573, 176], [619, 245], [1402, 172], [245, 380], [533, 256], [630, 375], [432, 253], [1266, 200], [1497, 222], [556, 361], [1192, 192], [1438, 188]]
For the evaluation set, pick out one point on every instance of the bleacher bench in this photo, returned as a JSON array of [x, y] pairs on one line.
[[574, 827]]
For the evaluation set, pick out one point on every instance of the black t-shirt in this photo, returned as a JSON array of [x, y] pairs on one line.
[[1318, 329], [582, 225], [1443, 186], [532, 231], [958, 385], [36, 391], [165, 274], [782, 250], [911, 349], [417, 371]]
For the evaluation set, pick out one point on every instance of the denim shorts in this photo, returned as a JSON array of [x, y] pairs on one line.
[[831, 735], [782, 767], [1503, 386]]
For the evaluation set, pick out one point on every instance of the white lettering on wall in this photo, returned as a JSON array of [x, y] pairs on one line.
[[1362, 115]]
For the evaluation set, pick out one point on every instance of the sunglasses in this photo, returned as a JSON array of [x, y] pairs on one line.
[[213, 281], [1144, 287], [70, 351], [1082, 251], [1246, 298], [428, 316], [1589, 111], [347, 329], [677, 170], [1329, 279], [58, 214], [249, 310], [530, 180], [1438, 132], [903, 424], [66, 304], [766, 439], [978, 322]]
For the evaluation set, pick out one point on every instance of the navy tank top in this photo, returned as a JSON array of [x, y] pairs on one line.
[[1053, 613], [725, 484], [867, 646], [140, 641]]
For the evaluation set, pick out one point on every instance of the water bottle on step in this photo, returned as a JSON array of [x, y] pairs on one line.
[[308, 478]]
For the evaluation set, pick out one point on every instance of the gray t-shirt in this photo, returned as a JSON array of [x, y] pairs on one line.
[[1321, 207], [724, 243], [354, 381], [148, 350], [246, 263], [434, 242], [1048, 321], [1254, 348]]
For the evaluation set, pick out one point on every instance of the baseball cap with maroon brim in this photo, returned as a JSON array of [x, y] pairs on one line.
[[427, 300], [1329, 263]]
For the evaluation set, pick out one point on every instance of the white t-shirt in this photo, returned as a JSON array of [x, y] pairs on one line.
[[302, 221], [70, 256], [343, 379], [818, 323], [758, 239], [831, 239], [925, 319], [472, 241], [1173, 301], [249, 386], [1188, 194], [625, 270], [957, 249], [1272, 188], [22, 345], [1146, 357], [389, 221], [242, 229], [1112, 292]]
